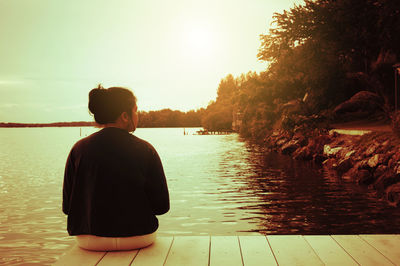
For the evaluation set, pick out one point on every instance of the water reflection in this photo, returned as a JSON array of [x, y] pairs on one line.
[[301, 198]]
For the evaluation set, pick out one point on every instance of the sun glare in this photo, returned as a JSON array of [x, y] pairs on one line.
[[198, 42]]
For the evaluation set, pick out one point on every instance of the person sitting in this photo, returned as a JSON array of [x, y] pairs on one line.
[[114, 182]]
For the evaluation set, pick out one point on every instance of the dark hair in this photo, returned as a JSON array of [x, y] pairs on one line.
[[108, 104]]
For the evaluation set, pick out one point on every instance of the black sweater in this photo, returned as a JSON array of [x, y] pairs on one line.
[[114, 185]]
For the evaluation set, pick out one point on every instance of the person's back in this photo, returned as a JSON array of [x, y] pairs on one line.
[[114, 185]]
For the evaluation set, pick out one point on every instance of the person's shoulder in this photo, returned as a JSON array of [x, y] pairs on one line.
[[147, 149], [143, 143], [84, 141]]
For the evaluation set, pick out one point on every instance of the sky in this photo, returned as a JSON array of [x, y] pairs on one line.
[[171, 54]]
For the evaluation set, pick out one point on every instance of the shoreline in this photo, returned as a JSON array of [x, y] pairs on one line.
[[371, 159], [74, 124], [55, 124]]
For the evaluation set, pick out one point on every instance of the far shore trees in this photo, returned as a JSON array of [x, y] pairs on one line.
[[170, 118], [161, 118]]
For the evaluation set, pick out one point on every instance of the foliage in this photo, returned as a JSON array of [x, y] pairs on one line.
[[328, 49], [170, 118], [322, 43], [219, 114]]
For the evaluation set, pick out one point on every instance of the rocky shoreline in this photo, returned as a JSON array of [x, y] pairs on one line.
[[372, 159]]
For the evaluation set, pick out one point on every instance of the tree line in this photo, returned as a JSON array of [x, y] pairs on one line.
[[160, 118], [56, 124], [170, 118], [325, 49]]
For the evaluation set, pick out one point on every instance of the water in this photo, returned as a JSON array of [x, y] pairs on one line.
[[218, 185]]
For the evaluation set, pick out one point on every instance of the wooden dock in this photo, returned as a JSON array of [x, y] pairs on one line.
[[251, 250]]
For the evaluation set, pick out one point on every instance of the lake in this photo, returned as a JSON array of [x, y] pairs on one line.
[[219, 185]]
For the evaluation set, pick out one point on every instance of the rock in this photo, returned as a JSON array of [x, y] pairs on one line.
[[319, 158], [370, 150], [290, 147], [396, 156], [300, 139], [381, 175], [390, 163], [281, 142], [380, 170], [330, 163], [349, 154], [396, 168], [384, 159], [303, 153], [351, 174], [342, 153], [382, 149], [331, 152], [317, 144], [344, 165], [313, 150], [373, 161], [364, 177], [385, 143], [361, 105], [275, 133], [333, 133], [298, 129], [393, 194], [385, 180], [363, 165]]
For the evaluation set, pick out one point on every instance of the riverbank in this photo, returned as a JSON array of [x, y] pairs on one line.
[[371, 159]]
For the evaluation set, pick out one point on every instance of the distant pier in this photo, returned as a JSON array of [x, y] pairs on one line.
[[208, 132]]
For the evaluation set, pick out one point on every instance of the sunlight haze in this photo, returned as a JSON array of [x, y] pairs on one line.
[[172, 54]]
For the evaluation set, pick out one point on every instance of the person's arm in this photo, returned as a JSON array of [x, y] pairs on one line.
[[156, 185], [67, 184]]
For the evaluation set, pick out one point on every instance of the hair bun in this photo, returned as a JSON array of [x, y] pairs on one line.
[[98, 102]]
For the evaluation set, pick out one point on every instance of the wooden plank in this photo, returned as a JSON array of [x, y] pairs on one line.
[[256, 251], [118, 258], [361, 251], [329, 251], [78, 256], [155, 254], [293, 250], [189, 250], [225, 250], [388, 245]]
